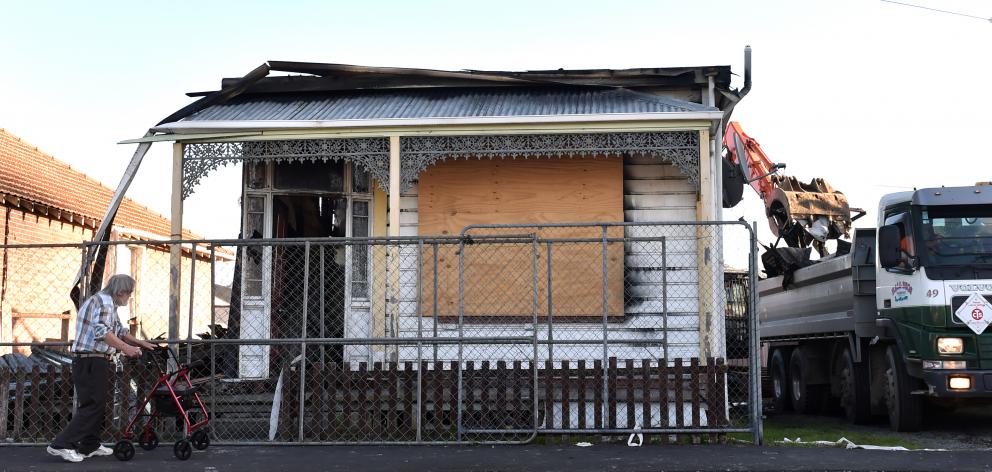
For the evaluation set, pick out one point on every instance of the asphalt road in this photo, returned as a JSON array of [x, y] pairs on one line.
[[600, 457]]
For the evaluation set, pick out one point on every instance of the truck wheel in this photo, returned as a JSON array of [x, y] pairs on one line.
[[780, 382], [855, 395], [905, 409], [806, 398]]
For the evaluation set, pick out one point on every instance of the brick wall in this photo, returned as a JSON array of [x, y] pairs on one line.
[[38, 281]]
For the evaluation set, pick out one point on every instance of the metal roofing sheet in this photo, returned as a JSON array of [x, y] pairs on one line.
[[443, 103]]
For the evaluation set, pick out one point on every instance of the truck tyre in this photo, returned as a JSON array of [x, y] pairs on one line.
[[780, 382], [855, 393], [905, 409], [806, 398]]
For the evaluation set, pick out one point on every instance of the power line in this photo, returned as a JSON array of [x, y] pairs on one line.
[[937, 10]]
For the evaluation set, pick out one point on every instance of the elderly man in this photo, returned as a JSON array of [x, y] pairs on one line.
[[99, 334]]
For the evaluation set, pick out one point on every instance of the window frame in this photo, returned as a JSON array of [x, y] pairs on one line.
[[910, 259], [268, 190]]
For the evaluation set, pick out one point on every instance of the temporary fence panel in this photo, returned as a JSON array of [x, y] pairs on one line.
[[674, 310], [496, 335]]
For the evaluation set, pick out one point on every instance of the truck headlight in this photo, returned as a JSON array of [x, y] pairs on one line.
[[950, 345]]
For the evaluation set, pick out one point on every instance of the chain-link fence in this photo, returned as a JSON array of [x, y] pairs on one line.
[[642, 327], [497, 335]]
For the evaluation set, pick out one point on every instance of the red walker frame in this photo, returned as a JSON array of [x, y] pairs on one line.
[[195, 434]]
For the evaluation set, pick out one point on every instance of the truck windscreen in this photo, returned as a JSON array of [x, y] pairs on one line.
[[956, 235]]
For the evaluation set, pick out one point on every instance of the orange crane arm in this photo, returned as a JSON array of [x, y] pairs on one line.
[[803, 214], [746, 153]]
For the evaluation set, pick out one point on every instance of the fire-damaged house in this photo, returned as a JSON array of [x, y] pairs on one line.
[[391, 217]]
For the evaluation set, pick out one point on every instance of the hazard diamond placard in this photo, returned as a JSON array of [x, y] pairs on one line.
[[975, 312]]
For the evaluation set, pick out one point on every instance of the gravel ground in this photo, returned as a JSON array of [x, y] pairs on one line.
[[964, 428]]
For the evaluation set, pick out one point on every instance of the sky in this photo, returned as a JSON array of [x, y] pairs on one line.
[[874, 97]]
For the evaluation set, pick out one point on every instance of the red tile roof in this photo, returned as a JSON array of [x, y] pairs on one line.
[[37, 182]]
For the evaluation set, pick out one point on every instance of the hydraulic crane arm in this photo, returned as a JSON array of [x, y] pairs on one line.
[[801, 214]]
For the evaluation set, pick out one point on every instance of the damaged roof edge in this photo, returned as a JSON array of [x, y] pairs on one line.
[[334, 77], [529, 76], [221, 95]]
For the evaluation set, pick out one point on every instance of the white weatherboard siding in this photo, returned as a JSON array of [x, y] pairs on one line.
[[408, 211], [654, 191], [661, 276]]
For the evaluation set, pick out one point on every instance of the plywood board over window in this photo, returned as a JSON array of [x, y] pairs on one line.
[[498, 279]]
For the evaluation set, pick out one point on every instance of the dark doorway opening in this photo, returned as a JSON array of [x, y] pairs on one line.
[[309, 287]]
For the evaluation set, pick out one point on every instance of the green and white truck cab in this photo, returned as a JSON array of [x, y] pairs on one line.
[[934, 286]]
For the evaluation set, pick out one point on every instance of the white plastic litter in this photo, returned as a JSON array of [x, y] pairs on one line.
[[583, 444], [848, 444], [636, 438]]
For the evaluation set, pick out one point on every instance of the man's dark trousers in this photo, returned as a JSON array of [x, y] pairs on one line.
[[89, 377]]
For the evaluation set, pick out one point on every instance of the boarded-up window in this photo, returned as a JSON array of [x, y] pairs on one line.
[[499, 278]]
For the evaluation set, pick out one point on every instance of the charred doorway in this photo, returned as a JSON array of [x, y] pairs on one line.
[[310, 285], [284, 289]]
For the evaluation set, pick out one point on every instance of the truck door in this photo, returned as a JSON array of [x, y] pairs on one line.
[[900, 286]]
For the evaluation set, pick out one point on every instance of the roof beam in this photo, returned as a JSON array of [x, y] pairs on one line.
[[220, 96]]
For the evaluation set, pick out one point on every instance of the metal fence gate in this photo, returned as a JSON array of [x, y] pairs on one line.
[[494, 336]]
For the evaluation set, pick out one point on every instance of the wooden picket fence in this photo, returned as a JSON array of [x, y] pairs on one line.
[[38, 401], [379, 402], [34, 404]]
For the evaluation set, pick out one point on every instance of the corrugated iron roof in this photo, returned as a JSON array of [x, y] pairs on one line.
[[443, 103]]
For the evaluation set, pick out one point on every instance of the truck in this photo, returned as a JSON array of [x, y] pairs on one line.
[[895, 322]]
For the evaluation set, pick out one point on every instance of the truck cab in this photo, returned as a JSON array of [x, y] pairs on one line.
[[934, 286]]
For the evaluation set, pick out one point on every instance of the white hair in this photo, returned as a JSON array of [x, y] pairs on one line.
[[119, 283]]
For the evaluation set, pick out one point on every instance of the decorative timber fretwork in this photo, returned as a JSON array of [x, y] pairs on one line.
[[417, 153], [371, 154], [420, 152]]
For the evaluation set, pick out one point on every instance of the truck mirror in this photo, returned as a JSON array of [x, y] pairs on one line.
[[888, 246]]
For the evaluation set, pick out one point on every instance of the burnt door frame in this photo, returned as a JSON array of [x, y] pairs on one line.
[[258, 183]]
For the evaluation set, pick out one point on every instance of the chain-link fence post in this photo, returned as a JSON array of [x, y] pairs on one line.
[[534, 328], [664, 300], [434, 321], [420, 332], [461, 331], [606, 334], [323, 333], [551, 306], [213, 331], [303, 336], [192, 303], [755, 344]]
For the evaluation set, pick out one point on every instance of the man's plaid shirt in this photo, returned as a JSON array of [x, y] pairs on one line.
[[97, 317]]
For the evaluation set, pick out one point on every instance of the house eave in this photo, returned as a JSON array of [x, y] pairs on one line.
[[194, 127]]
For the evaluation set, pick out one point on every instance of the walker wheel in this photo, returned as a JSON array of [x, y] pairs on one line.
[[201, 440], [148, 441], [182, 449], [124, 450]]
